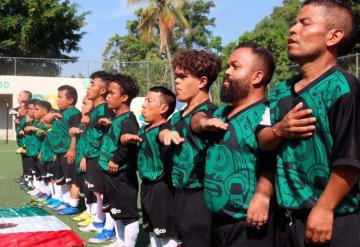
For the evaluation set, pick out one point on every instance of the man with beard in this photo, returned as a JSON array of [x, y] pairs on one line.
[[238, 183], [316, 175]]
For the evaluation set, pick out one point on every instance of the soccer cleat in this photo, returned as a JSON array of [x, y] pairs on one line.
[[104, 236], [54, 204], [60, 207], [69, 211], [81, 216], [93, 227], [85, 222]]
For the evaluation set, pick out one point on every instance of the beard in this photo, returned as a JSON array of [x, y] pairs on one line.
[[235, 90]]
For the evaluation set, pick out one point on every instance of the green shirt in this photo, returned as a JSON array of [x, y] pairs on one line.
[[150, 160], [96, 132], [232, 167], [188, 162], [19, 127], [47, 154], [32, 142], [304, 165], [111, 148], [59, 133]]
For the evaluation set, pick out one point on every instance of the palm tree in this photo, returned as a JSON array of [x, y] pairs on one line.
[[161, 15]]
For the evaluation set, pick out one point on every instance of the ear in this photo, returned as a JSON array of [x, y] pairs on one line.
[[203, 82], [124, 98], [163, 108], [257, 78], [334, 36], [103, 91]]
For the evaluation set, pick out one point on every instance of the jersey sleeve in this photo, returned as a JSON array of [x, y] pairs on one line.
[[74, 120], [344, 119]]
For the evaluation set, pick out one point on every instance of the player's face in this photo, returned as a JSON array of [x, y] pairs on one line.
[[187, 86], [87, 105], [22, 97], [115, 98], [95, 89], [39, 112], [308, 36], [152, 107], [236, 84], [30, 111], [63, 101], [22, 110]]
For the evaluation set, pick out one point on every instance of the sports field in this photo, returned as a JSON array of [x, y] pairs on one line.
[[11, 196]]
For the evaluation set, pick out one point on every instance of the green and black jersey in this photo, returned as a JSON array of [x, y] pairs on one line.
[[150, 158], [233, 161], [33, 141], [304, 165], [80, 147], [47, 154], [188, 158], [112, 149], [95, 131], [59, 136], [19, 127]]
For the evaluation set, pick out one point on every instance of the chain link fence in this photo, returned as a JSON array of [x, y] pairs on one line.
[[147, 73]]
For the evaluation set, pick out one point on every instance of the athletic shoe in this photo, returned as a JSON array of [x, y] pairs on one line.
[[93, 227], [84, 215], [54, 204], [60, 207], [69, 211], [50, 200], [114, 244], [86, 222], [104, 236]]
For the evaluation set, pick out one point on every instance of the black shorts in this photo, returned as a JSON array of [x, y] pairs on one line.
[[39, 170], [28, 165], [193, 219], [65, 173], [94, 176], [121, 191], [158, 209], [51, 170], [346, 229], [229, 232]]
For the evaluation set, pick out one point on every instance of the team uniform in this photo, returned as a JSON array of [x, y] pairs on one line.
[[20, 142], [121, 188], [60, 139], [233, 167], [47, 158], [304, 165], [193, 219], [94, 177], [157, 198], [79, 154]]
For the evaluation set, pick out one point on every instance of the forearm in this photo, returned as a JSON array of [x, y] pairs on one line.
[[265, 184], [341, 181], [268, 140], [162, 134], [72, 143]]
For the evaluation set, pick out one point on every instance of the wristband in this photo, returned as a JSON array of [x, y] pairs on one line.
[[274, 132]]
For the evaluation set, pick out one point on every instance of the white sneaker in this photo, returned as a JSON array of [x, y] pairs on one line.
[[114, 244], [93, 227]]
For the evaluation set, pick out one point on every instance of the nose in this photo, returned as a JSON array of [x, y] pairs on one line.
[[292, 29]]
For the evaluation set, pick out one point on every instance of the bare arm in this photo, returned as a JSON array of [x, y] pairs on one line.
[[70, 155], [200, 122]]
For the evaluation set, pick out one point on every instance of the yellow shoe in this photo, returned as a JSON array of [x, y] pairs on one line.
[[20, 150], [86, 222], [81, 216]]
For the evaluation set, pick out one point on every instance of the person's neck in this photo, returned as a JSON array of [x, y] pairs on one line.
[[122, 109], [156, 123], [311, 70], [98, 101], [241, 104], [195, 101], [68, 107]]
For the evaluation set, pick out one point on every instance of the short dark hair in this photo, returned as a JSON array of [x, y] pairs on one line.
[[44, 104], [28, 93], [198, 63], [127, 84], [70, 92], [103, 75], [32, 102], [167, 96], [341, 9], [266, 58]]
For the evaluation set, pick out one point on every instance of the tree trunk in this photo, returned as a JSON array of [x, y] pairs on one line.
[[172, 77]]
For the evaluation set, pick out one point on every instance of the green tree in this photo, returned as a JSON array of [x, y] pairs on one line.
[[40, 28]]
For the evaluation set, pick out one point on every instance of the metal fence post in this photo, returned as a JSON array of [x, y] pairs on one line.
[[15, 65], [357, 65]]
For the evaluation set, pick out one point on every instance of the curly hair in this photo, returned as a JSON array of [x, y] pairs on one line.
[[127, 84], [198, 63]]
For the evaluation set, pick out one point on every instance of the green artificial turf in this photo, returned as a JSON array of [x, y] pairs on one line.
[[12, 196]]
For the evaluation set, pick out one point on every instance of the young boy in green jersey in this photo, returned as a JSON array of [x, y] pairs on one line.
[[157, 200], [20, 123], [315, 125], [119, 161], [64, 145], [94, 176], [195, 72], [36, 133], [238, 176]]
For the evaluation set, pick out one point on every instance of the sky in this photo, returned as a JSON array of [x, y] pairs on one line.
[[107, 17]]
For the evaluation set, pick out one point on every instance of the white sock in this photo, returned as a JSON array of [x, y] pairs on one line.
[[120, 232], [58, 195], [43, 187], [88, 207], [109, 222], [154, 241], [93, 208], [65, 192], [73, 202], [100, 215], [168, 242], [131, 234], [36, 184]]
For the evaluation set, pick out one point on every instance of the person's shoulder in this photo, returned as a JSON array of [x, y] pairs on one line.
[[352, 81]]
